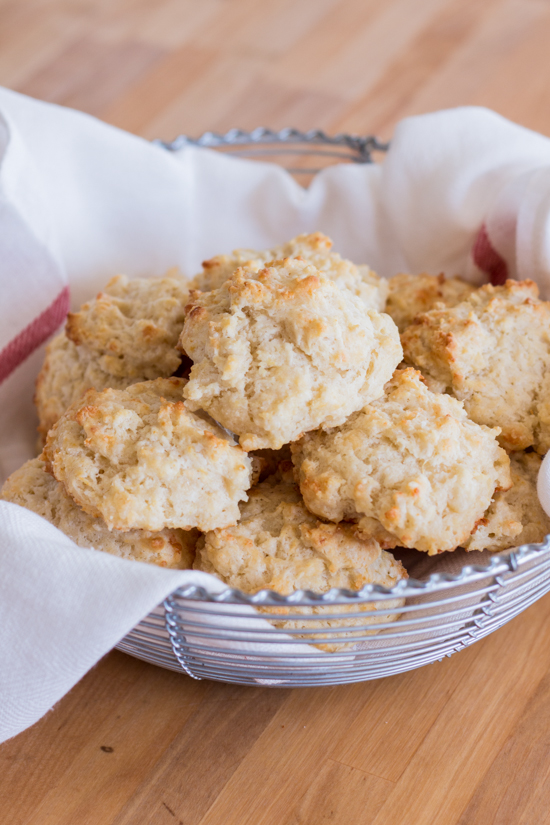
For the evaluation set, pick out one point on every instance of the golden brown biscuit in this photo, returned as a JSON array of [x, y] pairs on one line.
[[283, 351], [315, 248], [68, 371], [140, 460], [409, 295], [132, 327], [34, 488], [278, 544], [492, 352], [410, 468], [515, 516]]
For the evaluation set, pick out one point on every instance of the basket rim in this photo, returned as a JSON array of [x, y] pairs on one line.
[[359, 147], [263, 134], [500, 564]]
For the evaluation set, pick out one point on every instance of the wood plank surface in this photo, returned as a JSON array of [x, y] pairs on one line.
[[462, 742]]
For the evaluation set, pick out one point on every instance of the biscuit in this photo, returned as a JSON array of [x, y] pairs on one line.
[[140, 460], [314, 248], [34, 488], [515, 516], [283, 351], [492, 352], [68, 371], [410, 468], [409, 295], [132, 327], [279, 545]]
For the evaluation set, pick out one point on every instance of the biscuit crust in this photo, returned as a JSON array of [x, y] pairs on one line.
[[132, 327], [410, 468], [67, 372], [35, 489], [283, 351], [492, 352], [515, 516], [139, 459], [278, 544], [409, 295], [315, 248]]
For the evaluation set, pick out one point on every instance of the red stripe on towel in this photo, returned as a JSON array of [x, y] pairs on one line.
[[488, 259], [34, 334]]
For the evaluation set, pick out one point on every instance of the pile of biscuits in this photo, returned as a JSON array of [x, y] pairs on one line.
[[287, 418]]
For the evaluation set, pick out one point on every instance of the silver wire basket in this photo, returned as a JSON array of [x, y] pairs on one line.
[[309, 639]]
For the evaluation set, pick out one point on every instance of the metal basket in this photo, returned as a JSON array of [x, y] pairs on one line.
[[288, 146], [341, 636]]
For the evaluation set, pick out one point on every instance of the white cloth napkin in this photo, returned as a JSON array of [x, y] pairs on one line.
[[461, 191]]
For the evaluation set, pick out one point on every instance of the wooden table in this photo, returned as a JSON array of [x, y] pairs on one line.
[[463, 741]]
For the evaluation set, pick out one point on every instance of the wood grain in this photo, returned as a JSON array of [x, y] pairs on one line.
[[462, 742]]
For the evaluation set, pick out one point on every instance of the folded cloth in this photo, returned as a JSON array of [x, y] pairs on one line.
[[461, 191]]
